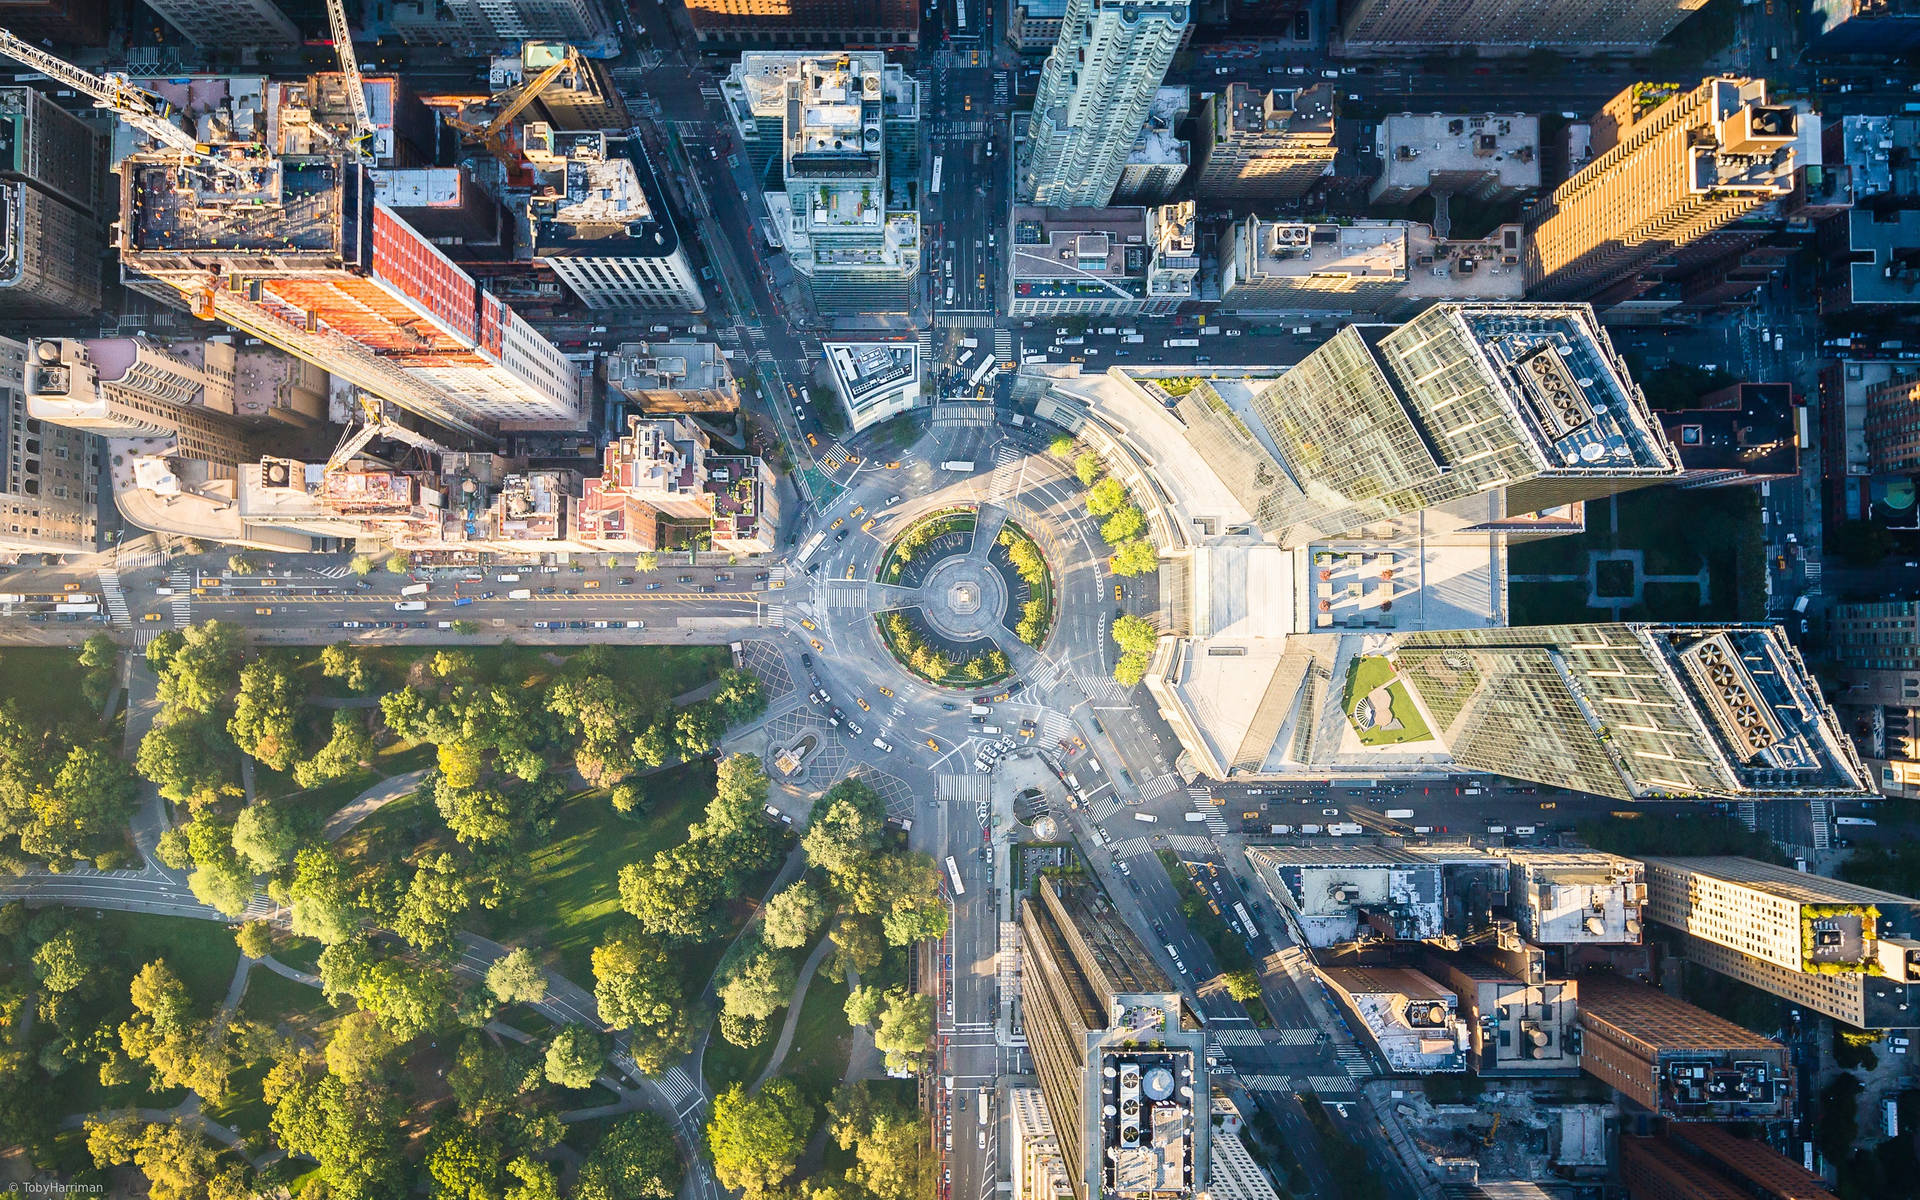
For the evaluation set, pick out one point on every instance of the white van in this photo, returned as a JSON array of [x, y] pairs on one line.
[[883, 745], [979, 710], [410, 606], [414, 589], [506, 579], [1149, 818], [1193, 816]]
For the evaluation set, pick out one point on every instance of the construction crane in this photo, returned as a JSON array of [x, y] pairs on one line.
[[493, 133], [362, 134], [136, 106], [374, 424]]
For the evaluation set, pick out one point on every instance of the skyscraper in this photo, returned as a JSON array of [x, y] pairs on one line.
[[228, 22], [1423, 27], [53, 171], [135, 388], [1678, 1060], [835, 140], [1124, 1079], [1264, 145], [1670, 167], [1384, 421], [303, 257], [484, 21], [1848, 951], [49, 501], [598, 221], [828, 24], [1632, 711], [1095, 93]]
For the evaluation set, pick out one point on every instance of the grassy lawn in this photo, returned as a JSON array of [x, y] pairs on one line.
[[245, 1108], [1714, 528], [201, 953], [1613, 577], [572, 890], [46, 682], [726, 1064], [272, 998], [1412, 728], [821, 1041], [1363, 675], [1548, 603], [1670, 602]]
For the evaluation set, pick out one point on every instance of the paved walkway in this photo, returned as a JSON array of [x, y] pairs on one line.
[[785, 1041], [372, 801]]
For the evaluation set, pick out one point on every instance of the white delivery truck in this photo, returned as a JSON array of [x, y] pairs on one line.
[[1194, 816], [1149, 818], [963, 465], [414, 589], [520, 594], [410, 606]]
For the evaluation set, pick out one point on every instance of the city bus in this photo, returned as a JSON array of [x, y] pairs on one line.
[[953, 873], [980, 372], [959, 16], [934, 188]]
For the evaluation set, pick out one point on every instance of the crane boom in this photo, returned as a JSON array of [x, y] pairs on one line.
[[350, 68], [136, 106], [528, 94]]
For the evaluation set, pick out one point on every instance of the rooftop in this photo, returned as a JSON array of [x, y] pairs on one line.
[[1411, 1018], [1886, 256], [1337, 892], [660, 366], [1577, 897], [1879, 153], [289, 208], [1149, 1123], [1297, 112], [1752, 431], [1418, 148], [869, 368], [597, 197], [1157, 142], [1559, 373], [1091, 252]]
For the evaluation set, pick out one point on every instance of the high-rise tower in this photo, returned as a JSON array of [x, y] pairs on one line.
[[1095, 93], [1383, 421], [1839, 948], [229, 22], [1124, 1079], [1670, 167], [302, 256]]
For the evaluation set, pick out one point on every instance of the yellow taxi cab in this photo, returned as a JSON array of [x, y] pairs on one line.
[[867, 525], [71, 587], [1118, 595], [262, 612], [812, 440], [806, 624], [837, 523], [1001, 697], [850, 570], [269, 583], [199, 591], [862, 702], [887, 692], [591, 583], [932, 745], [151, 617], [857, 510], [816, 644], [209, 581], [893, 466]]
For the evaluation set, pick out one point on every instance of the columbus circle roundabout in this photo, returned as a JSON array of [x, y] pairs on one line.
[[945, 566]]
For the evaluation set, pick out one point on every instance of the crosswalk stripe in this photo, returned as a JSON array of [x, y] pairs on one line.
[[677, 1086]]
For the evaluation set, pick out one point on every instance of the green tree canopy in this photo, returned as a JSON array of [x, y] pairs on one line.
[[516, 978], [756, 1139], [794, 915], [575, 1057], [636, 1160]]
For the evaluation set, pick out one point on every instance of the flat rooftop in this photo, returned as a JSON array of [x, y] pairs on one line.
[[1158, 143], [1560, 372], [1578, 898], [1336, 892], [1418, 148], [1886, 256], [662, 366], [1762, 707], [869, 369], [1411, 1018], [1299, 112], [294, 207], [1363, 250], [1091, 252]]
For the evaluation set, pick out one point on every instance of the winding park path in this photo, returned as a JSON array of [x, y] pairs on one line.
[[785, 1041]]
